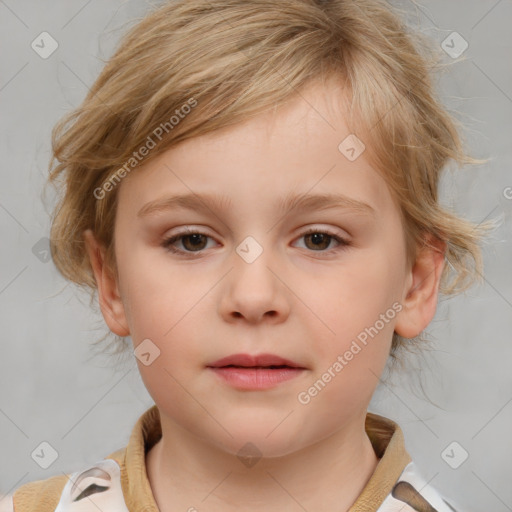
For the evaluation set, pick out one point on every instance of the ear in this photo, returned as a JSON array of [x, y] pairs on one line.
[[111, 305], [421, 291]]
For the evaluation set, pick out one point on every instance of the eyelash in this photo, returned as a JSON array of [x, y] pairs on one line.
[[167, 243]]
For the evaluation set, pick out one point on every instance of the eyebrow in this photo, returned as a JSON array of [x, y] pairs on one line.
[[318, 202]]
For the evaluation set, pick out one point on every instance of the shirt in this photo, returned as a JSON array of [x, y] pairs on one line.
[[119, 482]]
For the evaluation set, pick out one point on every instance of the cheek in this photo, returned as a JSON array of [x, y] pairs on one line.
[[157, 295], [355, 297], [168, 308], [168, 387], [358, 307]]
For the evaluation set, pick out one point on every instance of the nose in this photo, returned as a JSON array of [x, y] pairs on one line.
[[255, 290]]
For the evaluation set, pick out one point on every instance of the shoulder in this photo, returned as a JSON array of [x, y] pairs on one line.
[[98, 485], [37, 495], [412, 492]]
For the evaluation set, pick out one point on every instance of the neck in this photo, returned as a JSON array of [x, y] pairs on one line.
[[188, 473]]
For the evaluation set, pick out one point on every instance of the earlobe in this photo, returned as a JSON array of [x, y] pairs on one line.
[[422, 289], [109, 299]]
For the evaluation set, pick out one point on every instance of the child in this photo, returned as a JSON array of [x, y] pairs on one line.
[[302, 142]]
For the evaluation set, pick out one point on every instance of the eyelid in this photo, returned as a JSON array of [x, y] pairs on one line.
[[203, 231], [323, 229]]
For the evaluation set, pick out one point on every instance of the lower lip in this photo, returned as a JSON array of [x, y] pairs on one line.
[[256, 378]]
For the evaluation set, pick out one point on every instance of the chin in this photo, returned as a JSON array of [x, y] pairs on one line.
[[263, 438]]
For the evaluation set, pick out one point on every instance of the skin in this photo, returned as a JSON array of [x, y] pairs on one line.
[[301, 299]]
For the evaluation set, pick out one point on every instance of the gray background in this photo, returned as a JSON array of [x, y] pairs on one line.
[[54, 389]]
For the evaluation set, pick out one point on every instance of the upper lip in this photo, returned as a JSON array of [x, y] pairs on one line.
[[248, 360]]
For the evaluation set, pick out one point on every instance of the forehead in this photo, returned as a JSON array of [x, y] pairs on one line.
[[292, 148]]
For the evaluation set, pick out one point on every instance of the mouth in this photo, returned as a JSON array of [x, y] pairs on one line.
[[246, 372]]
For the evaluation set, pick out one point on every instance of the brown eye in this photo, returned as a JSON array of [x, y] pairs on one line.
[[197, 241], [318, 240], [190, 242]]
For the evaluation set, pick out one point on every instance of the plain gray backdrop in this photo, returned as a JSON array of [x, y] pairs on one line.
[[54, 390]]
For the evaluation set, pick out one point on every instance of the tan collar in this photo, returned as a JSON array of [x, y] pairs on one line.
[[388, 442], [385, 435]]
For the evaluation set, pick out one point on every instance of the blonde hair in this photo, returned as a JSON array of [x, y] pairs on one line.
[[236, 59]]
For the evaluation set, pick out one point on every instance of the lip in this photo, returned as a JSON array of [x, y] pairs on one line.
[[247, 360], [263, 371]]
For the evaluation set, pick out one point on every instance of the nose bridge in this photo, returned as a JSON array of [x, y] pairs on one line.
[[253, 290]]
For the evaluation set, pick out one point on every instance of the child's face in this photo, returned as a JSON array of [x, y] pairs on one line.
[[304, 298]]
